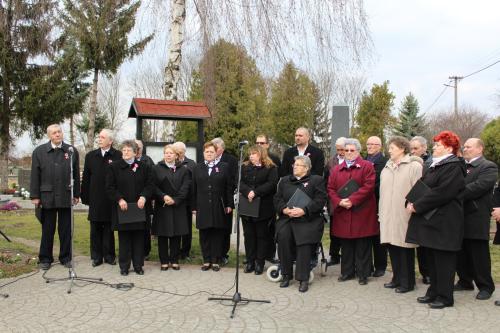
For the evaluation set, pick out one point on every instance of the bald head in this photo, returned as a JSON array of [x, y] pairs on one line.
[[373, 145], [302, 137], [473, 148]]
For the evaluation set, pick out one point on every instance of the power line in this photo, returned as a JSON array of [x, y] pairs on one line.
[[438, 97], [482, 69]]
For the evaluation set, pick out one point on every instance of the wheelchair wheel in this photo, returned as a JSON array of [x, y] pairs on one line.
[[311, 276], [273, 273]]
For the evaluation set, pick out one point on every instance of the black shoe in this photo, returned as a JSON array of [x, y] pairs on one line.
[[285, 282], [304, 286], [363, 281], [273, 261], [259, 269], [111, 262], [425, 299], [44, 266], [343, 278], [333, 261], [439, 305], [96, 263], [206, 267], [215, 267], [460, 287], [176, 267], [497, 303], [139, 271], [402, 290], [378, 273], [426, 280], [164, 268], [249, 268], [124, 272], [391, 285], [67, 264], [483, 295]]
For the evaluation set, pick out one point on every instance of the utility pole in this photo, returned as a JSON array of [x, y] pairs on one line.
[[455, 86]]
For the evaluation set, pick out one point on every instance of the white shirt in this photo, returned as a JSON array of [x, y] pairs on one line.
[[301, 152], [436, 160], [103, 152], [472, 160]]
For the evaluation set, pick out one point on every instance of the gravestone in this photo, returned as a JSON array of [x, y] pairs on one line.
[[340, 124]]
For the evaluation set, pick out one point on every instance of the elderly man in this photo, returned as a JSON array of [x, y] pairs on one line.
[[377, 158], [336, 159], [221, 155], [303, 148], [418, 147], [51, 180], [186, 240], [149, 207], [474, 262], [102, 238]]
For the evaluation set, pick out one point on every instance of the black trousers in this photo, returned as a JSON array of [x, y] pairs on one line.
[[335, 245], [288, 251], [186, 240], [356, 256], [442, 265], [147, 236], [474, 264], [102, 241], [256, 239], [403, 266], [226, 241], [271, 243], [379, 254], [169, 249], [51, 217], [211, 243], [423, 266], [131, 248]]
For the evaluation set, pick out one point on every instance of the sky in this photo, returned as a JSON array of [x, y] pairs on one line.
[[417, 46]]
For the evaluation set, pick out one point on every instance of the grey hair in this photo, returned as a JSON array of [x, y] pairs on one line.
[[179, 145], [131, 144], [340, 141], [52, 126], [305, 159], [421, 140], [110, 134], [305, 129], [353, 142], [219, 143]]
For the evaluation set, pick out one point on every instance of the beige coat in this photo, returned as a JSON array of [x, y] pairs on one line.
[[395, 183]]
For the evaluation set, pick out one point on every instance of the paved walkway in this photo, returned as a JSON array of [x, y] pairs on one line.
[[35, 306]]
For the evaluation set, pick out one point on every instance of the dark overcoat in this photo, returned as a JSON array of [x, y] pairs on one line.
[[378, 164], [51, 175], [263, 182], [479, 183], [307, 229], [445, 229], [171, 220], [315, 155], [122, 182], [496, 203], [210, 195], [361, 219], [93, 184], [232, 167]]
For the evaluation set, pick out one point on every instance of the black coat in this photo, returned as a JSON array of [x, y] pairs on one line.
[[93, 184], [263, 182], [479, 183], [379, 165], [210, 195], [445, 229], [232, 167], [307, 229], [315, 154], [123, 183], [276, 160], [496, 203], [51, 174], [189, 164], [170, 220]]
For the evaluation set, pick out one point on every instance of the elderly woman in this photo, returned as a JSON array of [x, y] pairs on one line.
[[172, 183], [399, 175], [129, 181], [437, 220], [299, 229], [259, 176], [212, 200], [354, 212]]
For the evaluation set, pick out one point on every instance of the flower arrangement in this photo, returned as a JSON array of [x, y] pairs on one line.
[[9, 206]]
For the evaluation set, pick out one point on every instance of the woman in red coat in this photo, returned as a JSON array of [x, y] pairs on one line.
[[355, 216]]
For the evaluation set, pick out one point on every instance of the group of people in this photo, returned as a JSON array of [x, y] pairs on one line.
[[377, 206]]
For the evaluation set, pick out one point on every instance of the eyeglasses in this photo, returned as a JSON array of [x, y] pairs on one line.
[[350, 150], [373, 144], [260, 143], [299, 165]]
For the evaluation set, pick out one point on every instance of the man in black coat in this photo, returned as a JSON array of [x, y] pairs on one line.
[[418, 147], [50, 188], [377, 158], [496, 216], [102, 238], [187, 239], [474, 262], [232, 166], [303, 148]]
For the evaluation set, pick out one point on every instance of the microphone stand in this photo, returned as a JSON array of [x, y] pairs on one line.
[[71, 269], [237, 299]]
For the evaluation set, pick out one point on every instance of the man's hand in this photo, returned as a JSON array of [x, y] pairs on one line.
[[123, 204], [35, 202], [496, 214], [168, 200], [141, 202]]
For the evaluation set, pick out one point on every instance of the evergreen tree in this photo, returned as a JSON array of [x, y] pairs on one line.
[[321, 129], [409, 123], [491, 138], [101, 29], [374, 114]]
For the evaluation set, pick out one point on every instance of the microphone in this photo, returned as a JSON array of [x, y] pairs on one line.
[[244, 142]]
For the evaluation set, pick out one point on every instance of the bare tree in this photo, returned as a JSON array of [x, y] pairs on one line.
[[108, 101], [467, 123], [349, 89]]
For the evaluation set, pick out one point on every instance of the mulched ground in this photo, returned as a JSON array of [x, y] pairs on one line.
[[14, 263]]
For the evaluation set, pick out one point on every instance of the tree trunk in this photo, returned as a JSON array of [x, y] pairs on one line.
[[173, 68], [72, 130], [92, 112]]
